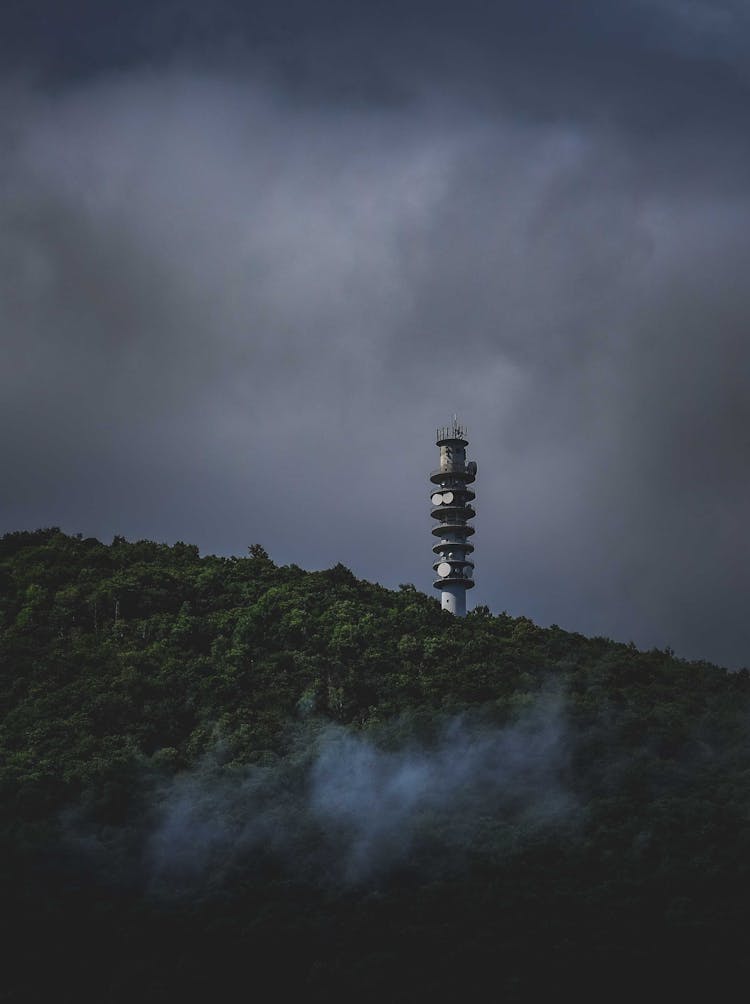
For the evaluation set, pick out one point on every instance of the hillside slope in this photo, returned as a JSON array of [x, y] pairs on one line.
[[217, 768]]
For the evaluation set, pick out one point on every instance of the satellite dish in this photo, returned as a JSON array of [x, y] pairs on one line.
[[443, 569], [437, 499], [471, 467], [447, 498]]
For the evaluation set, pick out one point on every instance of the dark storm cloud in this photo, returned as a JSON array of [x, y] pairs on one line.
[[241, 283], [648, 63]]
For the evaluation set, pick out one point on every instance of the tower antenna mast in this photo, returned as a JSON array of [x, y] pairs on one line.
[[451, 508]]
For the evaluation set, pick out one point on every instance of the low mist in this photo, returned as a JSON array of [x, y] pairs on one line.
[[345, 808]]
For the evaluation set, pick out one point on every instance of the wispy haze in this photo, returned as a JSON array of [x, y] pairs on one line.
[[251, 259], [340, 808]]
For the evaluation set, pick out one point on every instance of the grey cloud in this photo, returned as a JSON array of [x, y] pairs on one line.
[[657, 66]]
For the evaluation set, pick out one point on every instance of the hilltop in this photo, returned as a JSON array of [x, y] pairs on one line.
[[219, 768]]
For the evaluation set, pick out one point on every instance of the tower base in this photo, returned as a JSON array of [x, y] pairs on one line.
[[453, 599]]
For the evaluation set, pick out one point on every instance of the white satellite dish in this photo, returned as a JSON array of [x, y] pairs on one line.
[[447, 498], [443, 569], [437, 498]]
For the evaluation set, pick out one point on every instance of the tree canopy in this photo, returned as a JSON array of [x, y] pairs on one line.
[[527, 793]]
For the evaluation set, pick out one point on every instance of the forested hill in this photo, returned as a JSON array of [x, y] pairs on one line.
[[218, 768]]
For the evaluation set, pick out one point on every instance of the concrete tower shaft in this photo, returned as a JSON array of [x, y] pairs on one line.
[[451, 506]]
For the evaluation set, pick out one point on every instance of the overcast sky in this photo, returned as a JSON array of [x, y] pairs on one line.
[[251, 255]]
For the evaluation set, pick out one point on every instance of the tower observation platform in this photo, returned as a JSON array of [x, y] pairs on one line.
[[451, 507]]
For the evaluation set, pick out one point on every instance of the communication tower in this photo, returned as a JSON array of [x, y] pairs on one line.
[[451, 507]]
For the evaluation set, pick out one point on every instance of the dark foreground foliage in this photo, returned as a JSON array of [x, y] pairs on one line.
[[135, 673]]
